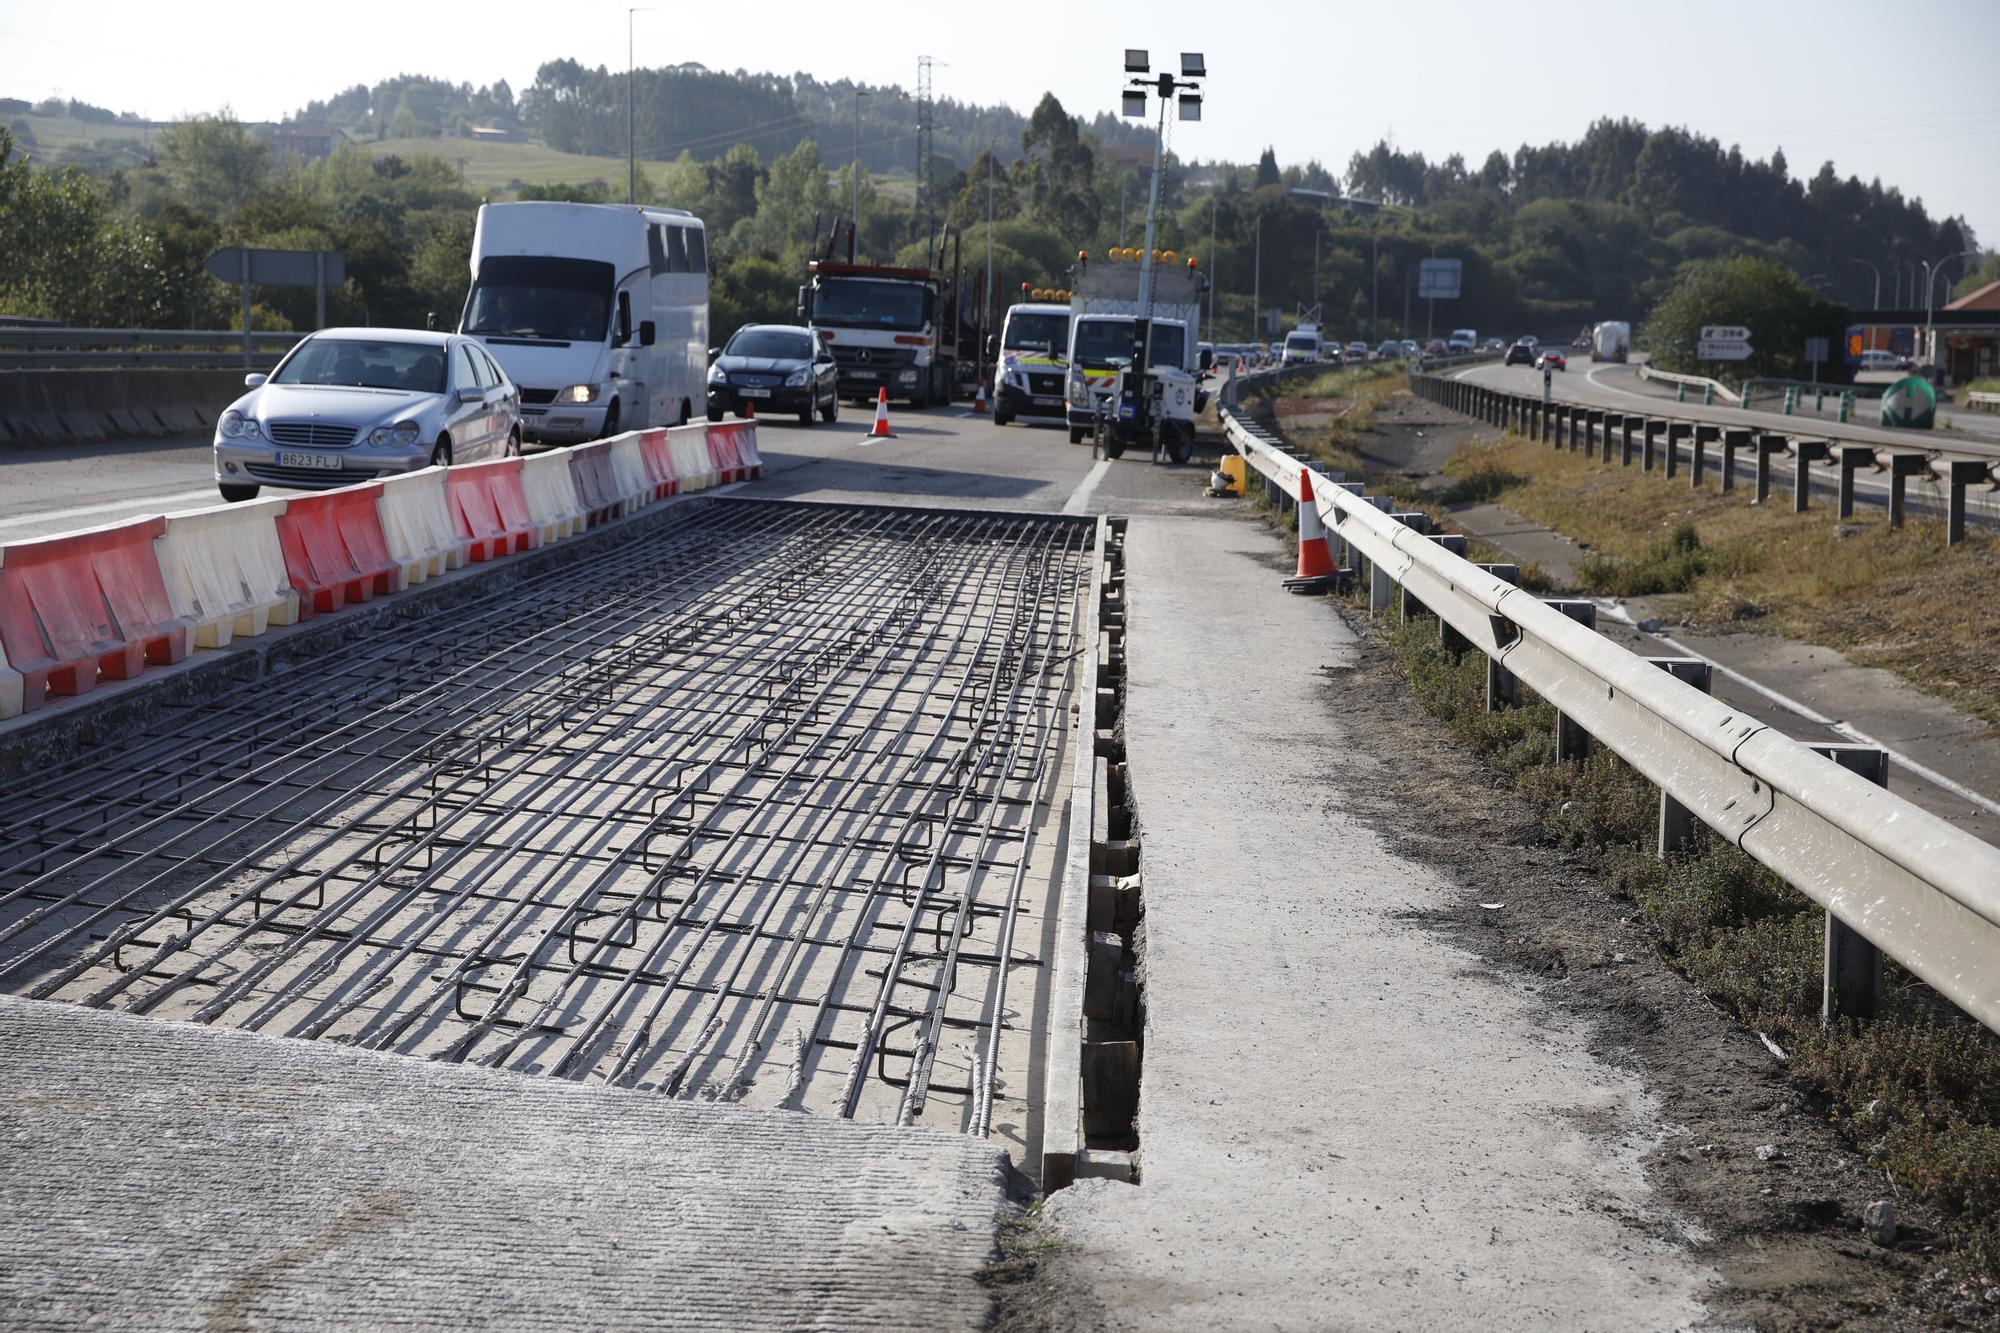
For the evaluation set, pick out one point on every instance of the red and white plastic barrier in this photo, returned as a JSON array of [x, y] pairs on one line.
[[103, 604]]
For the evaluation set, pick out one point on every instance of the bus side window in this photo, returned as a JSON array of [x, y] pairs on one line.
[[697, 250], [656, 250], [677, 251]]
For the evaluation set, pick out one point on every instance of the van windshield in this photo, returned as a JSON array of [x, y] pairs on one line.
[[870, 303], [1037, 329], [536, 296], [1108, 342]]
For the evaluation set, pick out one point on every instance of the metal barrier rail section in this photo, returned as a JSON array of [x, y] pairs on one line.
[[742, 809], [37, 348], [1892, 877]]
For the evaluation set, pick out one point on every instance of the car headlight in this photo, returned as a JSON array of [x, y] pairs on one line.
[[401, 435], [716, 375], [798, 378], [578, 393], [232, 424]]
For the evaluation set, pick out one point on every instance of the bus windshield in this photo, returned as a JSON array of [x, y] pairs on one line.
[[1037, 329], [872, 303], [535, 296]]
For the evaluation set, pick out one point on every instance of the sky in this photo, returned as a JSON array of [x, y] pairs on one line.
[[1908, 92]]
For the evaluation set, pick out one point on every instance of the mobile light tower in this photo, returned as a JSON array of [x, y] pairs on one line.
[[1187, 90]]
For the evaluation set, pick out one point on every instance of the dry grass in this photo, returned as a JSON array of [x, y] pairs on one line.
[[1888, 598]]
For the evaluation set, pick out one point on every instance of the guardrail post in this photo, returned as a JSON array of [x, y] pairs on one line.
[[1703, 433], [1850, 457], [1625, 440], [1961, 472], [1804, 454], [1767, 444], [1596, 427], [1675, 429], [1612, 422], [1901, 468], [1852, 983], [1572, 741], [1534, 415], [1677, 823], [1736, 437], [1502, 691], [1561, 413], [1411, 607], [1653, 429]]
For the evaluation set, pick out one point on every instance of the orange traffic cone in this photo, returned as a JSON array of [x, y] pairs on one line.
[[1316, 568], [979, 400], [749, 410], [882, 431]]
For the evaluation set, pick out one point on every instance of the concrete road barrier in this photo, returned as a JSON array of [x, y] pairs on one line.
[[224, 571], [86, 606], [693, 467], [633, 485], [590, 468], [659, 462]]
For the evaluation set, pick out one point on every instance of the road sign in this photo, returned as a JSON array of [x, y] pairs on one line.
[[1707, 350], [278, 268], [1724, 333], [1816, 350], [1910, 402], [1439, 279]]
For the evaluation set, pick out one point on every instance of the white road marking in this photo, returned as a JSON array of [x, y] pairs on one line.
[[1812, 715], [140, 505], [1079, 499]]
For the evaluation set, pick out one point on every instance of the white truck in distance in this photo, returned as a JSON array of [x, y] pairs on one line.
[[599, 312], [1611, 341], [1105, 315], [1462, 340], [1302, 345]]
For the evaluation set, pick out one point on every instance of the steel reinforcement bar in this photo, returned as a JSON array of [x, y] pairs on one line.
[[744, 810]]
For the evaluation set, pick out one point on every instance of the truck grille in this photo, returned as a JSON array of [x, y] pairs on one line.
[[1040, 383], [538, 395], [316, 434]]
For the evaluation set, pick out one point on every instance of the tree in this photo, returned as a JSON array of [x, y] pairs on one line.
[[1267, 169], [1060, 169], [1778, 308], [214, 160]]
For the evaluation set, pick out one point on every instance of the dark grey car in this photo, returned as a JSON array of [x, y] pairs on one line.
[[779, 368]]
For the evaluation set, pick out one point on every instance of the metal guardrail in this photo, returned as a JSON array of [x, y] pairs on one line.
[[1984, 402], [1717, 387], [1925, 893], [38, 348]]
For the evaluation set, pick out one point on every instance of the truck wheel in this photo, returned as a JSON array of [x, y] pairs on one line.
[[1180, 442], [1001, 416], [1076, 434], [1114, 444]]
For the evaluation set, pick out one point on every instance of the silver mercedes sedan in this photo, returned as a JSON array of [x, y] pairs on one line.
[[348, 405]]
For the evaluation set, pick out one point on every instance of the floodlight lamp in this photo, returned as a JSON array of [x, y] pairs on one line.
[[1190, 106], [1135, 105], [1192, 65], [1137, 62]]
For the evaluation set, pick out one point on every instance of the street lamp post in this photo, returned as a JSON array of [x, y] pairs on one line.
[[1930, 274], [631, 113], [1165, 87]]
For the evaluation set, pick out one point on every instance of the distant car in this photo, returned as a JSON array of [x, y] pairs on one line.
[[1552, 360], [1580, 344], [1389, 350], [1409, 347], [1437, 347], [1494, 344], [1520, 354], [349, 405], [1876, 358], [1357, 350], [1530, 339], [782, 368]]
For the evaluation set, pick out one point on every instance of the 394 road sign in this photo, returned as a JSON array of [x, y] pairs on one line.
[[1724, 333]]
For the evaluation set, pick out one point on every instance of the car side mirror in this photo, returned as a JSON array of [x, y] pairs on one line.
[[470, 394], [825, 358], [254, 381], [993, 345], [713, 353], [647, 333]]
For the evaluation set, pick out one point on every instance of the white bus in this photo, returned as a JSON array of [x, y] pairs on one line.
[[599, 312]]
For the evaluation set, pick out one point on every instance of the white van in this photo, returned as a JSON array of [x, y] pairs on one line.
[[599, 312]]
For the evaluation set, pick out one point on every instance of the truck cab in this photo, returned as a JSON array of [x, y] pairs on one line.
[[1108, 323], [1301, 345], [1461, 341], [1031, 362], [888, 327]]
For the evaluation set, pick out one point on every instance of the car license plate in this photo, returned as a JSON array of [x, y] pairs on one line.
[[862, 374], [755, 393], [1047, 400], [326, 461]]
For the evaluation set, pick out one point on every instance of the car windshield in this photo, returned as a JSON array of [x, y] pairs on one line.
[[868, 303], [779, 344], [533, 296], [1037, 329], [1305, 340], [358, 363], [1103, 342]]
